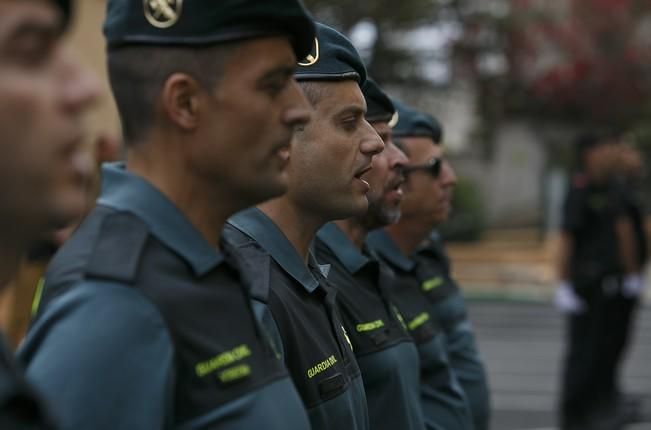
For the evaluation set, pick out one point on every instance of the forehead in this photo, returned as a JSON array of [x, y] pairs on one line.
[[339, 97], [421, 149], [260, 53]]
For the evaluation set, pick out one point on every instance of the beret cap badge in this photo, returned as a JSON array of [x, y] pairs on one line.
[[394, 119], [163, 13], [312, 57]]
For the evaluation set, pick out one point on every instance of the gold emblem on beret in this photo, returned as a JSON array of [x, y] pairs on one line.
[[394, 119], [163, 13], [313, 56]]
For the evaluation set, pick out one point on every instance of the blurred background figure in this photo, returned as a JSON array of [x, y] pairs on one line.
[[601, 257], [45, 94], [23, 294]]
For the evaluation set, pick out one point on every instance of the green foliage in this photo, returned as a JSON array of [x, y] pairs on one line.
[[467, 220], [388, 16]]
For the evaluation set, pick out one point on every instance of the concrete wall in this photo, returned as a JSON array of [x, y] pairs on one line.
[[511, 184], [87, 40]]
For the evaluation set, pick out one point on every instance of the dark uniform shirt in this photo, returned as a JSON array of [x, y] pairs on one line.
[[309, 329], [445, 405], [19, 406], [432, 269], [635, 210], [386, 354], [589, 216], [144, 325]]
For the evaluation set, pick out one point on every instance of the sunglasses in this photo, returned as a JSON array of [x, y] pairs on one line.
[[433, 168]]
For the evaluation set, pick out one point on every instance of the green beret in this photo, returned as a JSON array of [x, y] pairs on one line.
[[196, 22], [412, 123], [379, 107], [333, 58]]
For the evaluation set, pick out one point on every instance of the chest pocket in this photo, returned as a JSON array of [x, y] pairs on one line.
[[380, 337], [331, 386]]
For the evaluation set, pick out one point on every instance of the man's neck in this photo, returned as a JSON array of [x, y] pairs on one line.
[[205, 206], [354, 230], [408, 236], [299, 226]]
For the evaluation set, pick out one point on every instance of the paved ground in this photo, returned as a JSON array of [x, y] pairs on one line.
[[522, 347]]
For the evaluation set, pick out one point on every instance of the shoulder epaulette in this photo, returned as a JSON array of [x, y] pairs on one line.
[[119, 246], [255, 268]]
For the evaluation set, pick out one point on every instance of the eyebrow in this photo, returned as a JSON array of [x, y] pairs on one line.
[[282, 71], [356, 110], [41, 29]]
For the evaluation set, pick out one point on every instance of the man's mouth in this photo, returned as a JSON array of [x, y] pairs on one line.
[[363, 171], [79, 159]]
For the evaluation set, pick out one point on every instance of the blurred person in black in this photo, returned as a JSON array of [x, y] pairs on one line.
[[43, 167], [27, 286], [600, 260], [627, 174]]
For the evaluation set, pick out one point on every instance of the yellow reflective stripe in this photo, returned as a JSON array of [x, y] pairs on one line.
[[400, 318], [36, 301], [235, 373], [224, 359], [418, 321], [430, 284], [321, 367], [369, 326]]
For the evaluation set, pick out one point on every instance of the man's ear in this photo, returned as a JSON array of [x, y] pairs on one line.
[[181, 98]]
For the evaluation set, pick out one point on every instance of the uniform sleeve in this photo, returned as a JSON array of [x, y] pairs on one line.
[[101, 358], [572, 216], [620, 199]]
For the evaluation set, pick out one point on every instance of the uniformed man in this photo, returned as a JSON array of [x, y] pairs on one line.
[[429, 181], [328, 158], [44, 94], [434, 273], [386, 354], [599, 271], [629, 178], [146, 320]]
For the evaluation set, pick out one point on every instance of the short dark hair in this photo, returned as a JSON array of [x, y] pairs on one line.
[[137, 74], [314, 91]]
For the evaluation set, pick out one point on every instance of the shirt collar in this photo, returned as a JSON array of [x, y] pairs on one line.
[[259, 227], [342, 247], [382, 243], [126, 191]]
